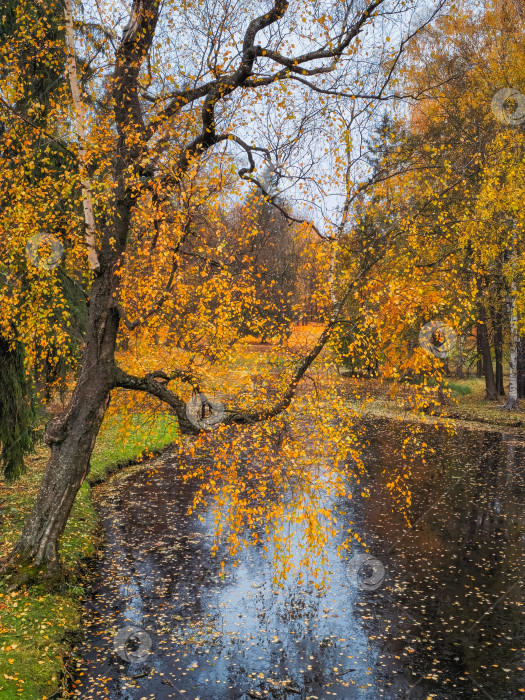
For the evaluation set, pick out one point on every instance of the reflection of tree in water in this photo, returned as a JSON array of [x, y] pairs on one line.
[[462, 546], [460, 563], [276, 485]]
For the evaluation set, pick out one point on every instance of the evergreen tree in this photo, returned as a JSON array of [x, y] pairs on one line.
[[16, 410]]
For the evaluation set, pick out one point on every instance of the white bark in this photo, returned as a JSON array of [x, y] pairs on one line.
[[87, 201], [331, 276], [512, 400]]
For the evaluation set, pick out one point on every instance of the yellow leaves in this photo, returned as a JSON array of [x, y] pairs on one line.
[[287, 494]]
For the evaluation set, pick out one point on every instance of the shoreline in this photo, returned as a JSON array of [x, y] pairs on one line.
[[80, 549], [467, 410], [40, 628]]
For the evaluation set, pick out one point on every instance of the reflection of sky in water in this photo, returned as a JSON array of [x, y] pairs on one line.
[[446, 622], [275, 635]]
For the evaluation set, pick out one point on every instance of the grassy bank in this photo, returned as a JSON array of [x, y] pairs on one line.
[[465, 404], [37, 627], [469, 404]]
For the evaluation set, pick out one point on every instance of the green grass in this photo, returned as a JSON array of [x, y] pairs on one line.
[[36, 626], [128, 439], [466, 406], [462, 389], [472, 405]]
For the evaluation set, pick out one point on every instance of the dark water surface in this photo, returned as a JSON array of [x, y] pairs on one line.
[[437, 612]]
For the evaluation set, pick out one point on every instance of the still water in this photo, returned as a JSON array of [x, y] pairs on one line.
[[435, 611]]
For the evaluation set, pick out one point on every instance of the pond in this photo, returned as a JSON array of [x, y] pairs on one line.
[[434, 611]]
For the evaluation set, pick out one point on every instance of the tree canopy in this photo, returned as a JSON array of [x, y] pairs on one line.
[[181, 179]]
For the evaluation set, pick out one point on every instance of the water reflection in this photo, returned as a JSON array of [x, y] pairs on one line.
[[437, 612]]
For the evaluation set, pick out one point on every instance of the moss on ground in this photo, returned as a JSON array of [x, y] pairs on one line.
[[37, 626]]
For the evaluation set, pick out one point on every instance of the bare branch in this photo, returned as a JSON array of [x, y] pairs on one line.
[[221, 88], [150, 385], [334, 52]]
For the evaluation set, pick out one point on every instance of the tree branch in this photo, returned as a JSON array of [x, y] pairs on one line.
[[150, 385], [136, 41], [283, 403], [221, 88]]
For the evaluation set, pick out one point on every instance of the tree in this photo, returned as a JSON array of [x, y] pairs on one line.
[[34, 157], [143, 133], [39, 82], [470, 133], [16, 410]]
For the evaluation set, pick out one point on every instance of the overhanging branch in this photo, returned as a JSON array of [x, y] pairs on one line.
[[285, 400], [150, 385]]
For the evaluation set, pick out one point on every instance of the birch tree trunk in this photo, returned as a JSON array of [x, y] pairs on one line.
[[512, 401], [521, 368], [87, 201]]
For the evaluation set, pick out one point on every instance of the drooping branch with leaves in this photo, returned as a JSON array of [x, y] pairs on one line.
[[150, 163]]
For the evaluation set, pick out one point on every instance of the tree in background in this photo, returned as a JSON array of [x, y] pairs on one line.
[[459, 154], [17, 413], [30, 29]]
